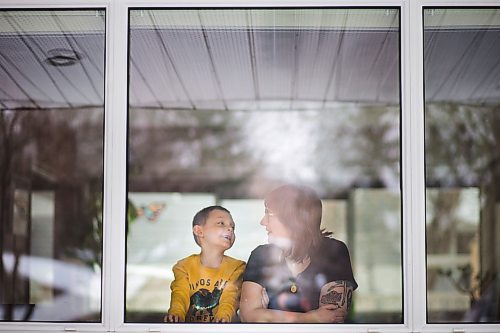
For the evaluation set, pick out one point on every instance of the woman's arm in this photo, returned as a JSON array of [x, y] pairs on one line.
[[338, 294], [252, 309]]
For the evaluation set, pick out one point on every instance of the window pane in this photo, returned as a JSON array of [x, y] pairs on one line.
[[226, 105], [462, 97], [51, 164]]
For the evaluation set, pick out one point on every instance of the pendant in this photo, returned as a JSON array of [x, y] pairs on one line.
[[293, 288]]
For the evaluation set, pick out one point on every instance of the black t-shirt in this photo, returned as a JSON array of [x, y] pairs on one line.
[[267, 267]]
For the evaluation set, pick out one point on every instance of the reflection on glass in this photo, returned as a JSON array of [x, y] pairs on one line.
[[462, 176], [226, 105], [51, 164]]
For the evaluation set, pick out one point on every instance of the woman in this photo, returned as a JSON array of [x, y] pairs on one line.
[[303, 275]]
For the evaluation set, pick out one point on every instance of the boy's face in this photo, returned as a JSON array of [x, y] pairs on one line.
[[218, 230]]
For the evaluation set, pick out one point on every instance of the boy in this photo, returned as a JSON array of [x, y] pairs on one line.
[[206, 287]]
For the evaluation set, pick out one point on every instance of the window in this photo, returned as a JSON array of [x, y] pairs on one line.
[[461, 145], [119, 120], [227, 104], [51, 164]]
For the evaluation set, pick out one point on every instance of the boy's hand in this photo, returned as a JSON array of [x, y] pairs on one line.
[[220, 320], [170, 318]]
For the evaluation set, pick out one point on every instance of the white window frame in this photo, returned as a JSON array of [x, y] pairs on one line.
[[116, 106]]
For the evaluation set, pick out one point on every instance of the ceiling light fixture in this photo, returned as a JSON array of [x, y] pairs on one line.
[[63, 57]]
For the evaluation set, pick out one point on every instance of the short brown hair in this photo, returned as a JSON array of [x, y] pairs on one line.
[[299, 209], [201, 217]]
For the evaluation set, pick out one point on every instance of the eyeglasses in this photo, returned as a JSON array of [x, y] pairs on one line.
[[268, 213]]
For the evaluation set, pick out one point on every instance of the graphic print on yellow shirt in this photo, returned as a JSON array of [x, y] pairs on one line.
[[203, 294], [203, 303]]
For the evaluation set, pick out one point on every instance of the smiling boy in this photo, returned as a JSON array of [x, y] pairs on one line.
[[206, 286]]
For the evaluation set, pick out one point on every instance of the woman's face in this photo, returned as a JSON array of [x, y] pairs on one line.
[[277, 232]]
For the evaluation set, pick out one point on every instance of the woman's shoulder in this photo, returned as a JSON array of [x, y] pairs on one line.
[[266, 252], [266, 249], [332, 258], [332, 246], [263, 248]]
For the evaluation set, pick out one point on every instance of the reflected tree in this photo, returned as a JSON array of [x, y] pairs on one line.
[[11, 123], [188, 151], [40, 151], [370, 143], [462, 145]]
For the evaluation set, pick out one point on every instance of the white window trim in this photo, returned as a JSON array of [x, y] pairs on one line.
[[67, 326], [412, 159]]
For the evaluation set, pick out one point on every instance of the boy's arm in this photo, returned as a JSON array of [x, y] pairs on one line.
[[230, 298], [179, 301]]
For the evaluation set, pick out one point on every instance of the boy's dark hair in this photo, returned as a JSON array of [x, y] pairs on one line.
[[200, 218]]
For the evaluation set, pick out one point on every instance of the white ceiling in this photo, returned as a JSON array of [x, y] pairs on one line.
[[298, 64]]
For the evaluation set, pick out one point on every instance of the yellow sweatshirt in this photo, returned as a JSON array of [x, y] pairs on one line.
[[204, 294]]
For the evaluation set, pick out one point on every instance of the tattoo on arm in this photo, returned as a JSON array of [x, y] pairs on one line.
[[338, 294]]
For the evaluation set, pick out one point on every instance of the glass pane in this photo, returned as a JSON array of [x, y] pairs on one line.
[[462, 98], [228, 104], [51, 164]]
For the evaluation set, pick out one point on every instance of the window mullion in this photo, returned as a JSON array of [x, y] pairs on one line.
[[415, 172], [115, 168]]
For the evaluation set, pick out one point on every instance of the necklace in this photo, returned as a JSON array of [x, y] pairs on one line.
[[297, 267]]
